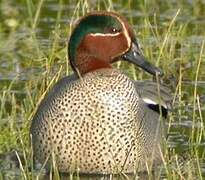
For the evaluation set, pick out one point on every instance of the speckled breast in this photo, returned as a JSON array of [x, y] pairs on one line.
[[94, 125]]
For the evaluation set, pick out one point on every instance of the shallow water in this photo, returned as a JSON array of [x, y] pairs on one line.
[[16, 52]]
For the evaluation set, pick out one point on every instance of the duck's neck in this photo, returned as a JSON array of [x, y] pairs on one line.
[[87, 63]]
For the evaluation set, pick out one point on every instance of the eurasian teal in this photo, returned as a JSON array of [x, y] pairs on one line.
[[98, 119]]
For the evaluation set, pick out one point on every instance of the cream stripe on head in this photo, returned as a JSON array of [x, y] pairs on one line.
[[106, 34], [124, 30], [129, 41]]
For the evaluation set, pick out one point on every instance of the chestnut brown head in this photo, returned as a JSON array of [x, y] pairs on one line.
[[101, 38]]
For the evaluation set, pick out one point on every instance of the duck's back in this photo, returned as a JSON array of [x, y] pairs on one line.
[[96, 124]]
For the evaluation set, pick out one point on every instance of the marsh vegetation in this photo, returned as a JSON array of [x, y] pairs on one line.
[[33, 56]]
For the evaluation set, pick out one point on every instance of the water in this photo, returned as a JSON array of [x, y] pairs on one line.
[[16, 51]]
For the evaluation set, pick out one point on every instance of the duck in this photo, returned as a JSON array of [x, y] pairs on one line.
[[98, 120]]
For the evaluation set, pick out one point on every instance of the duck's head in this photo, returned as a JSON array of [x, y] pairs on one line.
[[101, 38]]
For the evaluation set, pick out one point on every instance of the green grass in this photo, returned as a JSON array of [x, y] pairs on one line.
[[172, 36]]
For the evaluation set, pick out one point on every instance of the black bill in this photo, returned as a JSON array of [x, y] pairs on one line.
[[135, 56]]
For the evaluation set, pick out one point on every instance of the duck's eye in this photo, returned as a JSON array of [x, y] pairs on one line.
[[112, 30], [116, 30]]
